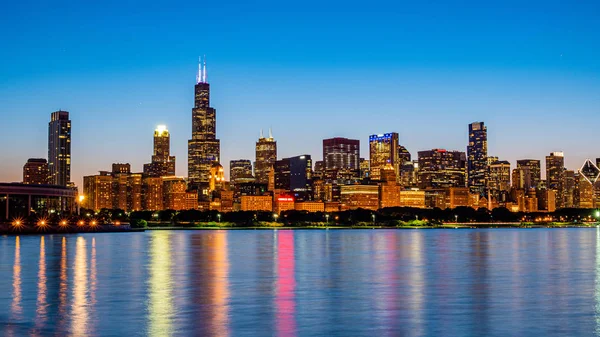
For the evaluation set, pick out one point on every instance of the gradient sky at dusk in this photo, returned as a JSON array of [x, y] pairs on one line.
[[310, 70]]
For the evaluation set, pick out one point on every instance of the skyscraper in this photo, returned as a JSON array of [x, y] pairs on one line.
[[163, 164], [439, 168], [240, 171], [499, 178], [266, 155], [534, 168], [383, 149], [477, 158], [341, 153], [555, 168], [403, 155], [59, 148], [204, 147], [35, 171]]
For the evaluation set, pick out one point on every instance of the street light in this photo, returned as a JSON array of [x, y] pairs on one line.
[[219, 217], [327, 218], [81, 198], [373, 216], [455, 218], [275, 216]]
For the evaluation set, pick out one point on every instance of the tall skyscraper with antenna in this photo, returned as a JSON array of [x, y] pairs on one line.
[[204, 148]]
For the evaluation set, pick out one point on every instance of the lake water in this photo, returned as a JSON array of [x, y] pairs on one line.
[[487, 282]]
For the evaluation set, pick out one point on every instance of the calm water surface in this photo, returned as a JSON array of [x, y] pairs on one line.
[[495, 282]]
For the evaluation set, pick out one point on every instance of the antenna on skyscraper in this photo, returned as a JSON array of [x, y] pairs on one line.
[[270, 133], [261, 134], [204, 71], [199, 74]]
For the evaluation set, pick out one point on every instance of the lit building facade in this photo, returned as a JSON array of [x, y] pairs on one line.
[[341, 153], [240, 171], [383, 149], [20, 200], [266, 155], [412, 198], [204, 148], [499, 178], [152, 194], [217, 177], [283, 202], [359, 196], [457, 196], [310, 206], [439, 168], [533, 166], [257, 203], [555, 173], [97, 190], [477, 158], [59, 148], [174, 191], [35, 172], [163, 164]]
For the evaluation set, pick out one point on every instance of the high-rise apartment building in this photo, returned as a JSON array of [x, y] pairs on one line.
[[266, 155], [163, 164], [439, 168], [98, 191], [59, 148], [35, 171], [383, 149], [341, 153], [555, 173], [204, 148], [477, 158]]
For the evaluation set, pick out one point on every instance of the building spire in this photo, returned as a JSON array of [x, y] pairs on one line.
[[199, 74], [204, 71]]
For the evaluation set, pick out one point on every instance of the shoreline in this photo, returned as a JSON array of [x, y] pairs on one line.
[[51, 231]]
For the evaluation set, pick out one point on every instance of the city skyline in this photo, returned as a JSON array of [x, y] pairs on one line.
[[426, 84]]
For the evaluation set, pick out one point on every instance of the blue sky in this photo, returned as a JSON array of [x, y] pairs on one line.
[[310, 70]]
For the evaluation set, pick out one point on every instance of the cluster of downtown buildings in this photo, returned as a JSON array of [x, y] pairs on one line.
[[391, 177]]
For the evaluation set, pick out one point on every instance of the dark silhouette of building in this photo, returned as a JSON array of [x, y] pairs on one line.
[[59, 148], [35, 172]]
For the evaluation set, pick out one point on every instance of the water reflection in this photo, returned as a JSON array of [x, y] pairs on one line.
[[287, 283], [597, 292], [79, 311], [42, 293], [285, 301], [63, 284], [16, 308], [161, 284], [210, 287]]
